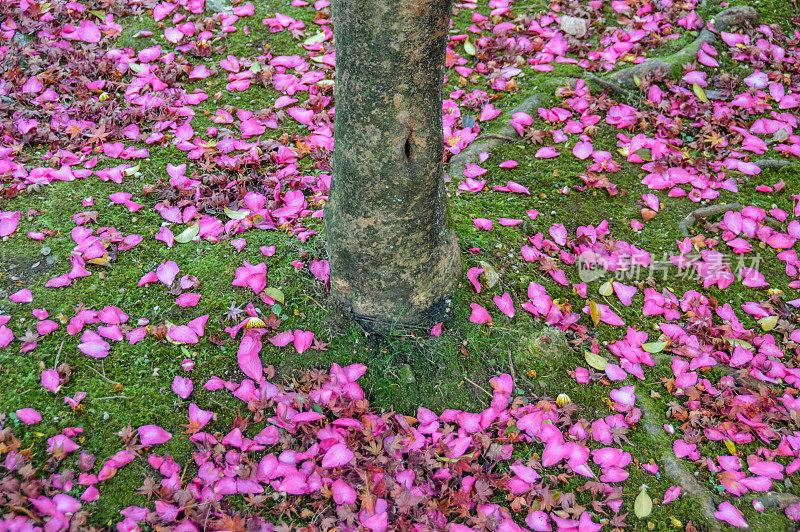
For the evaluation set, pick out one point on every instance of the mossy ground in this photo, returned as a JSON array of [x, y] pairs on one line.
[[132, 385]]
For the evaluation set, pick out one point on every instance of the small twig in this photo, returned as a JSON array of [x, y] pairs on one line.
[[112, 397], [478, 386], [315, 301], [60, 347], [25, 511], [102, 376], [511, 367]]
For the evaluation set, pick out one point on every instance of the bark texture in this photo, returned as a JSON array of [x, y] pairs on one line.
[[393, 256]]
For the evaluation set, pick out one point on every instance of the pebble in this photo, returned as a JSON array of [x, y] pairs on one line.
[[45, 251]]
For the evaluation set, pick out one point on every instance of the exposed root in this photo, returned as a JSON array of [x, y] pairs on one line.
[[497, 136], [673, 467], [705, 212], [489, 140], [775, 499], [734, 16], [772, 163], [610, 85]]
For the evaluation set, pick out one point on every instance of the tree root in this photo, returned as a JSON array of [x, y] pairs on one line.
[[610, 85], [673, 467], [775, 499], [705, 212], [489, 140], [712, 210], [734, 16], [772, 163], [497, 136]]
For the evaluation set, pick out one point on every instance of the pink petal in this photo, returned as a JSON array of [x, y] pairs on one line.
[[247, 356], [343, 493], [479, 314], [559, 234], [153, 435], [166, 272], [473, 170], [302, 340], [188, 299], [505, 304], [583, 150], [624, 292], [472, 275], [546, 153], [29, 416], [182, 334], [166, 236], [50, 380], [672, 493], [483, 223], [21, 296], [338, 455], [182, 386], [728, 513], [282, 339]]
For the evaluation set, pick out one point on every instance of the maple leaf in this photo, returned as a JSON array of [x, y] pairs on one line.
[[149, 487], [273, 322], [29, 337], [256, 501], [233, 312], [537, 136], [548, 501], [618, 435], [483, 490], [405, 502], [618, 521], [234, 523], [240, 422], [219, 339], [127, 433], [99, 134], [192, 427], [319, 345]]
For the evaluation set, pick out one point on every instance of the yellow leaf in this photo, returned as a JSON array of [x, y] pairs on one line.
[[606, 289], [654, 347], [699, 92], [731, 446], [105, 260], [768, 323], [469, 48], [596, 361], [188, 234], [132, 170], [637, 80], [274, 293], [643, 505], [736, 342], [318, 38], [236, 215], [594, 312]]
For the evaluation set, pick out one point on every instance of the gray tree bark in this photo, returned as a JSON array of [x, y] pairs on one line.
[[394, 259]]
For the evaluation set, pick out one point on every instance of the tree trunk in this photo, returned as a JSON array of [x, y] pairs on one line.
[[394, 259]]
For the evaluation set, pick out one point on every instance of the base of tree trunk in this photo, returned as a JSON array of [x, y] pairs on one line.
[[394, 257]]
